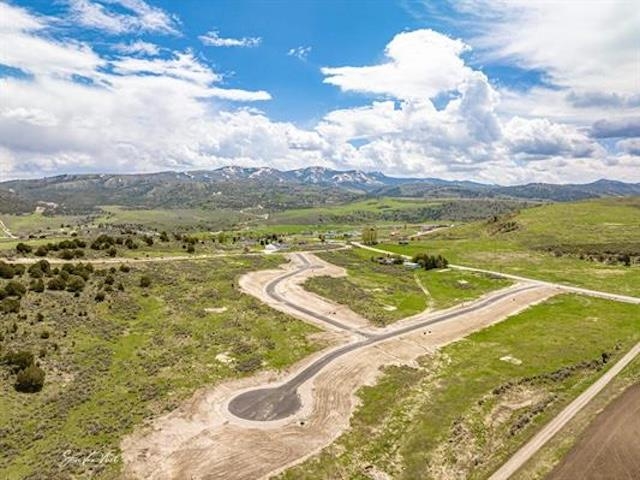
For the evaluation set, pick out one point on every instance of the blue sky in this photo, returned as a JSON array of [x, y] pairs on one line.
[[499, 91]]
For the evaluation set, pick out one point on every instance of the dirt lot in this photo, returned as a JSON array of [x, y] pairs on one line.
[[610, 447]]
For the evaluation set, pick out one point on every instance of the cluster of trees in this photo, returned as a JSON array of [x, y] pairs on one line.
[[108, 284], [8, 271], [72, 248], [13, 290], [70, 277], [189, 242], [109, 243], [103, 242], [370, 236], [270, 238], [69, 248], [608, 253], [29, 376], [40, 269], [430, 262]]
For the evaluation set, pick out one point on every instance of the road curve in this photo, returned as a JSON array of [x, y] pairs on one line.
[[554, 426], [282, 401], [271, 290]]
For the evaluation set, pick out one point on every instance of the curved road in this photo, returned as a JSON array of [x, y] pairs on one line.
[[275, 403], [306, 265]]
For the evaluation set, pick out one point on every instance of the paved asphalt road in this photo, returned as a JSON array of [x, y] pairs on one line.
[[279, 402], [306, 265]]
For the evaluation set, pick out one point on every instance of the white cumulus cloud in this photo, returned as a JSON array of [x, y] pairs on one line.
[[419, 64], [425, 111]]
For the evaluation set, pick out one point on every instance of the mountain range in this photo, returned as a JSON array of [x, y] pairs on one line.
[[242, 187]]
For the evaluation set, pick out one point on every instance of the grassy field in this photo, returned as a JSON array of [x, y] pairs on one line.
[[169, 219], [397, 210], [138, 354], [468, 407], [593, 221], [192, 219], [36, 222], [359, 211], [142, 352], [524, 250], [386, 293]]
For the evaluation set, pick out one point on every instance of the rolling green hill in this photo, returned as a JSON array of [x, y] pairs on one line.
[[238, 188], [584, 243]]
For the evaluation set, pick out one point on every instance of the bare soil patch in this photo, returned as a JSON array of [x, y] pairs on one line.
[[610, 447]]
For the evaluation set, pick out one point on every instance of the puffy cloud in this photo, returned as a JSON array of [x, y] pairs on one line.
[[146, 109], [140, 16], [630, 146], [33, 116], [623, 127], [420, 65], [213, 39], [587, 51], [603, 100], [24, 49], [542, 138], [128, 113], [413, 136], [380, 118]]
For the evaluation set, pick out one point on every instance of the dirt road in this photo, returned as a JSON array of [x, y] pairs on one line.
[[4, 229], [554, 426], [428, 232], [202, 439]]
